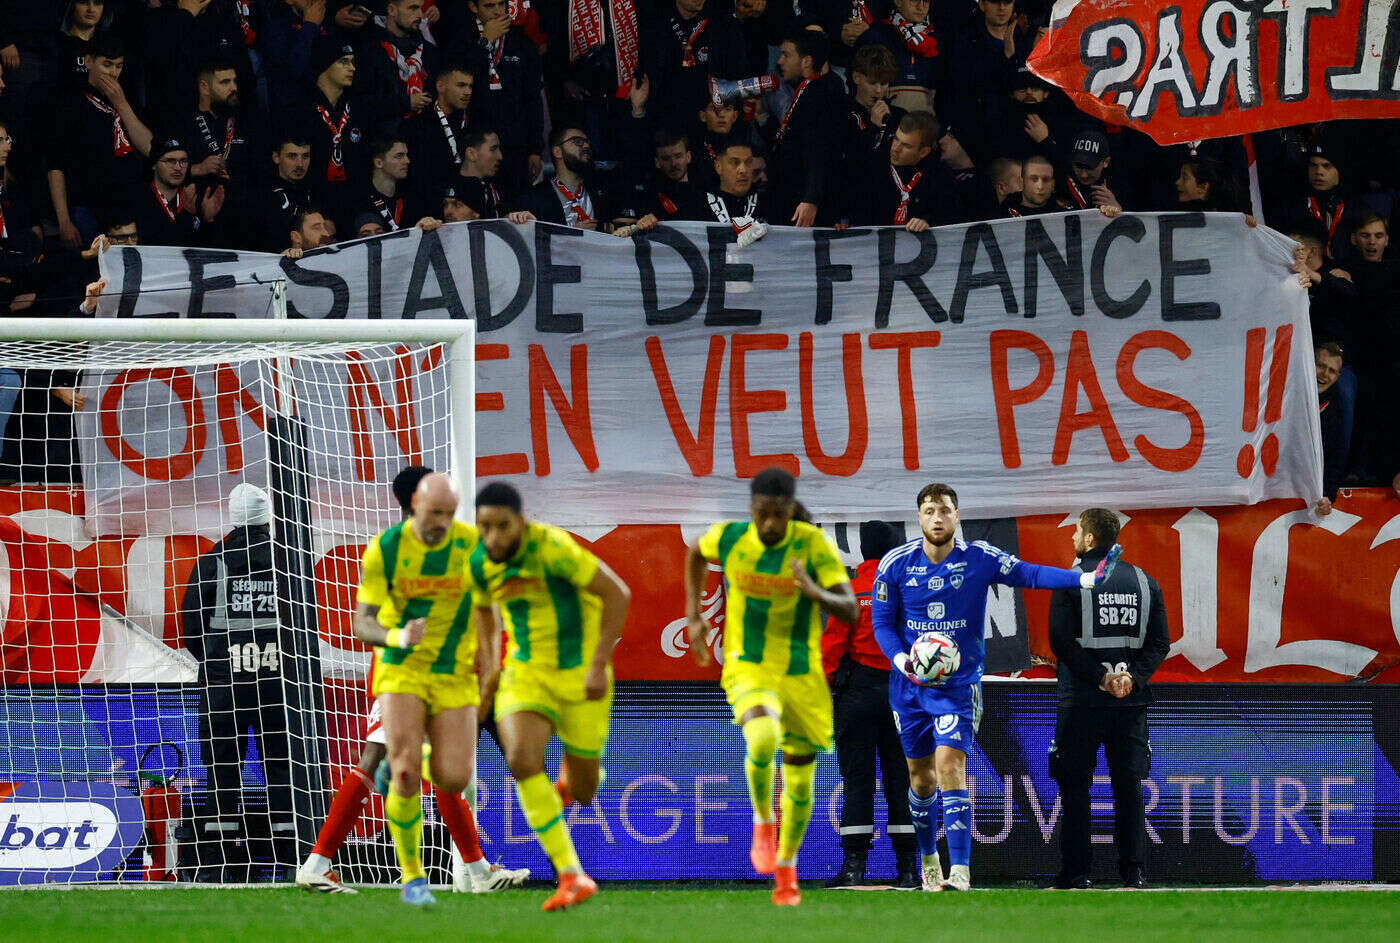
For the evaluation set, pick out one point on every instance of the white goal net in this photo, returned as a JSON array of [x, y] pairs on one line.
[[182, 515]]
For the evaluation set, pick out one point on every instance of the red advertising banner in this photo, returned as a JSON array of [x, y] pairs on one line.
[[1203, 68], [1262, 593]]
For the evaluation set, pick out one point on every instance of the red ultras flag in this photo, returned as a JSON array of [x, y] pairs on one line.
[[1193, 69]]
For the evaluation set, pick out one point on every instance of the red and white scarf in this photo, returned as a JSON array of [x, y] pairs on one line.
[[587, 32], [211, 142], [861, 11], [1331, 220], [244, 10], [918, 37], [491, 204], [495, 49], [335, 168], [411, 71], [4, 232], [165, 207], [901, 213], [578, 207], [121, 144], [792, 106], [1076, 194], [687, 41], [393, 217]]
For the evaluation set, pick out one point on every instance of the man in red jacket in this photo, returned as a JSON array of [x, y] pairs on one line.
[[859, 675]]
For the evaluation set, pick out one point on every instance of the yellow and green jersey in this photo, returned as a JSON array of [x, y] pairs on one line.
[[408, 580], [767, 620], [551, 620]]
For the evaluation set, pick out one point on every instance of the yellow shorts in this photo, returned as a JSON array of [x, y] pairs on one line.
[[802, 703], [438, 691], [581, 724]]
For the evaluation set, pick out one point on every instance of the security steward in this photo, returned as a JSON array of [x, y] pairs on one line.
[[1108, 640], [229, 619], [859, 675]]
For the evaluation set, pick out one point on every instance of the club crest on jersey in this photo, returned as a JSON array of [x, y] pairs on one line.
[[945, 723], [956, 580], [935, 610], [935, 583], [881, 592]]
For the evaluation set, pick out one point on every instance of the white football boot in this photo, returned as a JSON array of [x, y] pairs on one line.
[[326, 883], [959, 878], [479, 877], [499, 878], [933, 872]]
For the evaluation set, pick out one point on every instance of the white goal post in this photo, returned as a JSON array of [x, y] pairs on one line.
[[138, 751]]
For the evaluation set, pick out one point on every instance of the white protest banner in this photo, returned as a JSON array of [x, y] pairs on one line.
[[1037, 365]]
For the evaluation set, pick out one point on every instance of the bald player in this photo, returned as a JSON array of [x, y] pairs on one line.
[[415, 607]]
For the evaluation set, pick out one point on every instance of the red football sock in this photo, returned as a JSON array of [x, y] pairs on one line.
[[457, 816], [344, 812]]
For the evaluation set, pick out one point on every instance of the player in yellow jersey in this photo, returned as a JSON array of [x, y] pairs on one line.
[[415, 604], [563, 610], [779, 574]]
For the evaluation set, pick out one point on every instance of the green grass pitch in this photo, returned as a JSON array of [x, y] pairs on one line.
[[677, 912]]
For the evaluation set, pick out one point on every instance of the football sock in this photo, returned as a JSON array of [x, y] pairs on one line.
[[545, 814], [923, 813], [797, 809], [761, 739], [404, 815], [345, 811], [957, 825], [458, 818]]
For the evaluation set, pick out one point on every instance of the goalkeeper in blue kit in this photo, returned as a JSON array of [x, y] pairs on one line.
[[938, 583]]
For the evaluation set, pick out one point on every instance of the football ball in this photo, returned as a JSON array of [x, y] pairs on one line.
[[934, 657]]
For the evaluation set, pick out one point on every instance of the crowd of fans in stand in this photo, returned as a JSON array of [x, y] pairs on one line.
[[286, 125]]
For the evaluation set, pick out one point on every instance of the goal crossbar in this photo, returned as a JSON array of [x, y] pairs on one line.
[[458, 335]]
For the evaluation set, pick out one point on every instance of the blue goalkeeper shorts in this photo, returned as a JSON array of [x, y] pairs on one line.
[[928, 718]]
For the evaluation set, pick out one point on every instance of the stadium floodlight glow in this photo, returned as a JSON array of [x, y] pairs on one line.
[[126, 742]]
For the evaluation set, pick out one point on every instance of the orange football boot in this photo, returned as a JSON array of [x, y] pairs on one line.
[[785, 892], [574, 888], [763, 852]]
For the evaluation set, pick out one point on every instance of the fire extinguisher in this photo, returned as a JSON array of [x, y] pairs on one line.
[[160, 802]]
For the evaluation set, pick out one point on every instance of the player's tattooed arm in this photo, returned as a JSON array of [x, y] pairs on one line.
[[616, 597], [368, 629], [697, 627], [838, 600]]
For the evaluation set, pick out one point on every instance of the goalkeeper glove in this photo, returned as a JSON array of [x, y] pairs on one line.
[[901, 664], [1105, 568]]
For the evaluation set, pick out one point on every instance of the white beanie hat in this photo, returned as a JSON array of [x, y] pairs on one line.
[[249, 504]]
